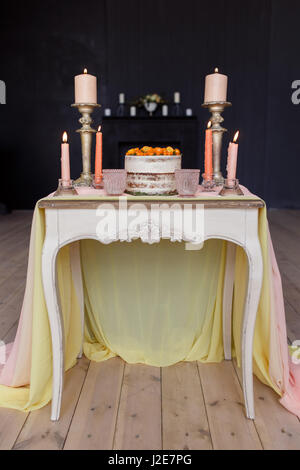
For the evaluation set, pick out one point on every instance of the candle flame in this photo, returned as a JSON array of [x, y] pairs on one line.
[[99, 129], [65, 137], [236, 136], [85, 71], [209, 125], [216, 70]]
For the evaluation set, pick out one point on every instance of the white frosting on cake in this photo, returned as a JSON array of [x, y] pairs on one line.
[[152, 174], [152, 164]]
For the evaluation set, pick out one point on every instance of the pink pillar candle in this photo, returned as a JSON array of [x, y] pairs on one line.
[[215, 87], [232, 158], [85, 88], [65, 161]]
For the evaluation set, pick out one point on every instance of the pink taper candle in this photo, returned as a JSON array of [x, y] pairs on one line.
[[232, 157], [98, 157], [65, 161], [208, 164]]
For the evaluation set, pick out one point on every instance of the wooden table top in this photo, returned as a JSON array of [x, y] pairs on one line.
[[209, 203]]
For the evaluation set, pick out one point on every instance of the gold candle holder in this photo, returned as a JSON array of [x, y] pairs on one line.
[[86, 133], [216, 109]]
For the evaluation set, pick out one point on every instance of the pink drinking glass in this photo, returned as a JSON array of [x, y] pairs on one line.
[[114, 182], [187, 182]]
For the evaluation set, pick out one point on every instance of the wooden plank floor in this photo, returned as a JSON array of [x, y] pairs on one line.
[[113, 405]]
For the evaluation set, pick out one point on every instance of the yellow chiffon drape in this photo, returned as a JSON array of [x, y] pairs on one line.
[[155, 304]]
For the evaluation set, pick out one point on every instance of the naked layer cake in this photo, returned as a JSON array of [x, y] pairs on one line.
[[151, 171]]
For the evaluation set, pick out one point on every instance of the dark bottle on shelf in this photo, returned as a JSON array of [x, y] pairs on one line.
[[177, 105], [177, 109], [121, 105]]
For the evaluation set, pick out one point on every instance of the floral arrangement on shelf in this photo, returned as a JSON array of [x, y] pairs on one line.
[[153, 151], [150, 102], [150, 98]]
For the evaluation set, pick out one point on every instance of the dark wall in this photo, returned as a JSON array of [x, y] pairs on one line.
[[282, 149], [139, 46]]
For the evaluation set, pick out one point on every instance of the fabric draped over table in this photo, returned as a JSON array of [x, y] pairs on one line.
[[155, 304]]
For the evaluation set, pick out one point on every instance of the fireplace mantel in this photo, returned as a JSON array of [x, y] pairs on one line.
[[121, 133]]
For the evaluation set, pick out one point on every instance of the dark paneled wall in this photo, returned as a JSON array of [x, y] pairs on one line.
[[282, 148], [139, 46]]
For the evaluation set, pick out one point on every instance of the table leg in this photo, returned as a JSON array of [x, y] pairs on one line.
[[56, 323], [227, 299], [255, 262], [77, 279]]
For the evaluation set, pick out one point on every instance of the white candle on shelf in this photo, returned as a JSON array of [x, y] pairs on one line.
[[188, 112], [177, 97], [122, 98], [165, 110], [107, 112], [132, 111], [215, 87], [85, 88]]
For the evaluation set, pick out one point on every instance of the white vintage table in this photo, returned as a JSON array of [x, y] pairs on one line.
[[236, 221]]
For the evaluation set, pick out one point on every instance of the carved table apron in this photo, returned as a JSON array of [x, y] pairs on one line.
[[236, 221]]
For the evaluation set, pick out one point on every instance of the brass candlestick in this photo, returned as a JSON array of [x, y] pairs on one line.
[[86, 132], [216, 109]]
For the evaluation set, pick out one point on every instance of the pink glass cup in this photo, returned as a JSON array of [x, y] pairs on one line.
[[187, 182], [114, 182]]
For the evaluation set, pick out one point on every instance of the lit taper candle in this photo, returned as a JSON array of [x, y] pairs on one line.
[[208, 166], [65, 161], [232, 157], [98, 157]]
